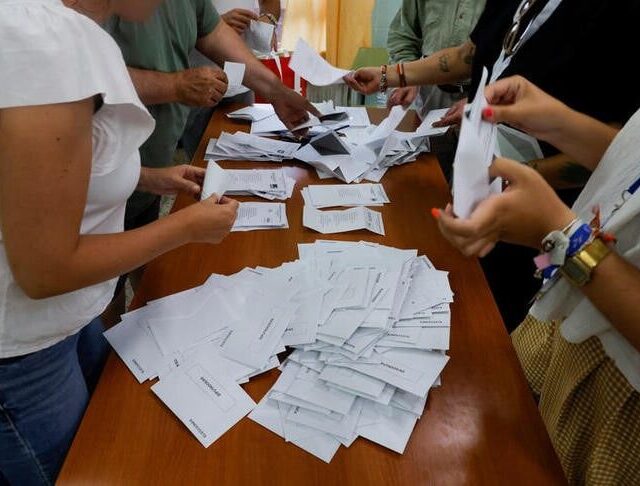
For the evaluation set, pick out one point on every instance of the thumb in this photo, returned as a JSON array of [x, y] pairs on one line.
[[510, 170]]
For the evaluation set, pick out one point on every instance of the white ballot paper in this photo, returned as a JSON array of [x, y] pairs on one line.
[[234, 72], [309, 65], [261, 215], [475, 153], [266, 183], [216, 181], [427, 128], [206, 402], [326, 196], [255, 112], [259, 35], [342, 221]]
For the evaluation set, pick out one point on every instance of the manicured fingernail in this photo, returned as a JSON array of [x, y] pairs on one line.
[[487, 113], [435, 212]]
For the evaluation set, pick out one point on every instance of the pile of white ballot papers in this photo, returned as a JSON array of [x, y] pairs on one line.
[[244, 146], [266, 183], [369, 325]]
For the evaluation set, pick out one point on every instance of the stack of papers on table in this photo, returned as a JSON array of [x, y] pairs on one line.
[[244, 146], [327, 196], [261, 216], [372, 363], [331, 117], [369, 324], [370, 151], [266, 183]]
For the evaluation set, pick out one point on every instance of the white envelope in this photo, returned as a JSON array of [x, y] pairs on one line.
[[208, 404]]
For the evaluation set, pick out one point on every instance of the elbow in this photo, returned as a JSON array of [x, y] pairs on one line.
[[40, 283], [37, 290]]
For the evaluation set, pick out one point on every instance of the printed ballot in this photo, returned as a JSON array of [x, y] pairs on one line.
[[353, 219], [330, 195], [261, 216]]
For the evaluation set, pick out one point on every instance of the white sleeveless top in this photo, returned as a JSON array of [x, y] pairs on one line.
[[51, 54]]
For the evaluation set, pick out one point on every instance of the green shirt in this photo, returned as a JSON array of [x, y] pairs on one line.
[[163, 43], [422, 27]]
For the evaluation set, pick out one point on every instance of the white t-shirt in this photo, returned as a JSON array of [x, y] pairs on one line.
[[51, 54]]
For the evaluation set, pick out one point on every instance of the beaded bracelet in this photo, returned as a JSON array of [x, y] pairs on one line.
[[384, 84]]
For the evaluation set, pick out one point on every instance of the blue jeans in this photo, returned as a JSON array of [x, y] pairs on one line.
[[43, 396]]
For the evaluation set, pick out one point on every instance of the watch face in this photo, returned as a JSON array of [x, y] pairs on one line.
[[576, 271]]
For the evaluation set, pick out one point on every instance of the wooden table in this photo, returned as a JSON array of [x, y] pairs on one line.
[[480, 427]]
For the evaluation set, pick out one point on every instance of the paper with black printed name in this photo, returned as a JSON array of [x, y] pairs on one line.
[[353, 219], [206, 402]]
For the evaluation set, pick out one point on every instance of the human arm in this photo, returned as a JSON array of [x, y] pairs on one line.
[[447, 66], [524, 214], [44, 177], [223, 44], [201, 86]]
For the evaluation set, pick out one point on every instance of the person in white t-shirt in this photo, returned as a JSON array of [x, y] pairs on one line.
[[71, 124]]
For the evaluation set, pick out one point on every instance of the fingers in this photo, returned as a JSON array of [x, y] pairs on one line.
[[510, 170], [505, 91]]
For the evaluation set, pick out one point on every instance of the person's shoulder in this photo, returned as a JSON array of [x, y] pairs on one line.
[[50, 54]]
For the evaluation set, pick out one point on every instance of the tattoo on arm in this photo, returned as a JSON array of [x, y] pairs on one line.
[[574, 174], [443, 62]]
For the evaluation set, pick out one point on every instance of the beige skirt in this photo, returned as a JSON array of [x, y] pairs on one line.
[[590, 410]]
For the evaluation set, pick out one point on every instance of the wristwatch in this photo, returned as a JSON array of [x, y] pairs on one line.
[[579, 268]]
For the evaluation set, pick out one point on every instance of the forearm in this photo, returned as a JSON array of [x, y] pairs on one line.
[[582, 138], [562, 171], [450, 65], [224, 44], [98, 258], [154, 87], [614, 290]]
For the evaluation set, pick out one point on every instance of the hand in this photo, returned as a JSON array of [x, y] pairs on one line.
[[402, 96], [523, 105], [181, 178], [365, 80], [201, 86], [523, 214], [210, 220], [292, 108], [453, 116], [239, 19]]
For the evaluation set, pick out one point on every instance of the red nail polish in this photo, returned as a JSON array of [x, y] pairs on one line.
[[435, 212], [487, 113]]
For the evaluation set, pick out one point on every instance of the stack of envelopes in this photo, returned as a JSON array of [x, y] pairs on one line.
[[370, 327], [244, 146]]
